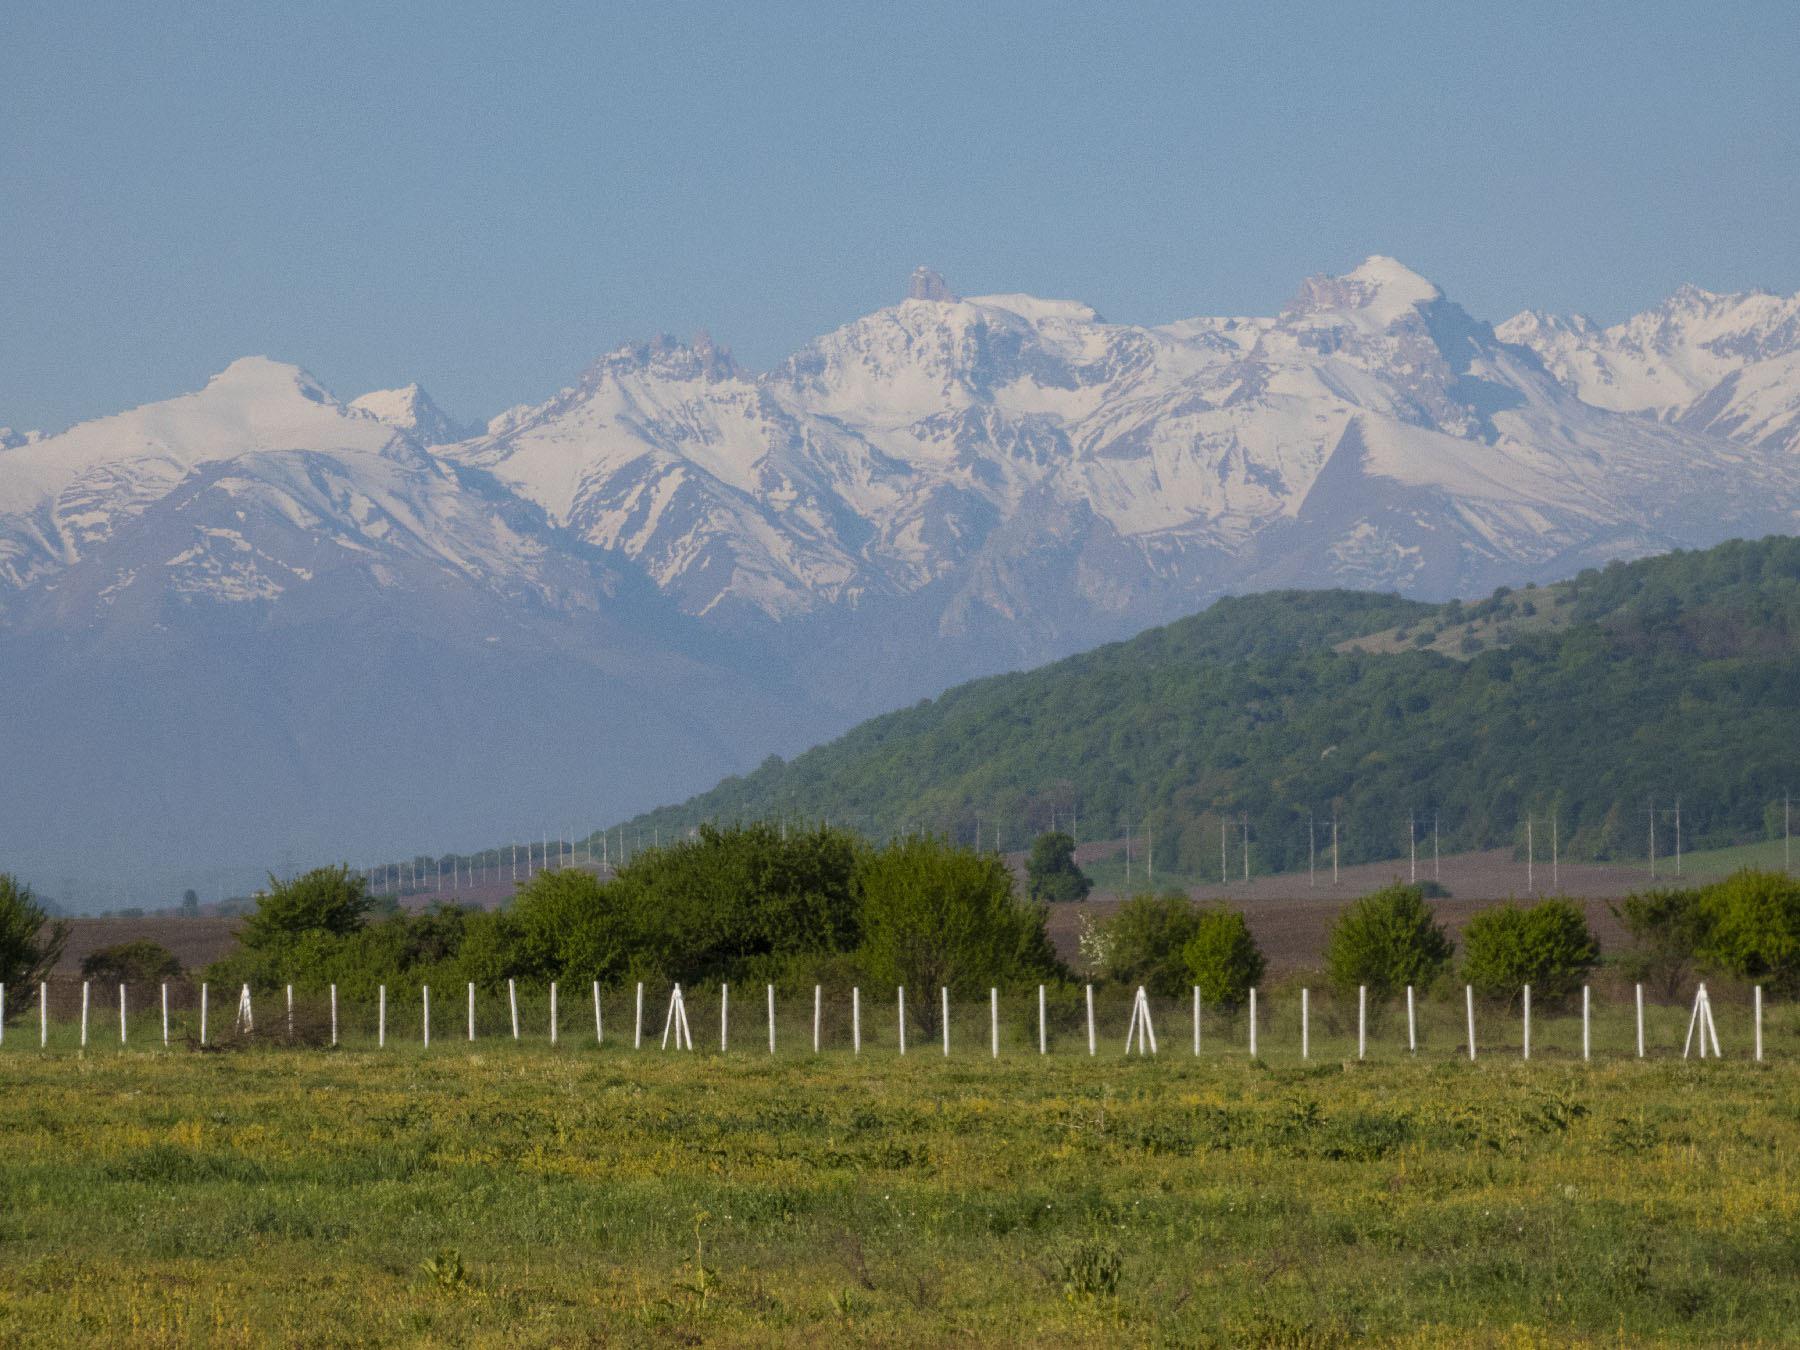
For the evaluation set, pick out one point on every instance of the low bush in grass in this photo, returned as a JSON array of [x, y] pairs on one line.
[[1546, 945], [1144, 942], [1387, 940], [1222, 958], [140, 962]]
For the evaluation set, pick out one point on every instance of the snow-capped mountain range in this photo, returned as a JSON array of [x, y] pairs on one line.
[[749, 561]]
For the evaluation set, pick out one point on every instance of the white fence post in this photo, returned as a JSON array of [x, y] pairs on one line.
[[44, 1014], [1196, 1021], [553, 1012], [1043, 1035], [1527, 1042], [1469, 1004], [425, 1022], [637, 1034], [290, 1012], [1640, 1021], [84, 1013], [471, 1012], [994, 1020], [724, 1018], [121, 1014], [165, 1014], [855, 1020], [1587, 1040], [770, 990], [599, 1027], [1252, 1021], [381, 1019], [512, 1005], [944, 996], [1412, 1023], [1306, 1024], [1092, 1049], [1362, 1021], [334, 1019], [1141, 1029], [900, 996], [818, 1009], [1757, 996]]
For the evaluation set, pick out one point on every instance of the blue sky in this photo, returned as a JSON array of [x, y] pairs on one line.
[[485, 197]]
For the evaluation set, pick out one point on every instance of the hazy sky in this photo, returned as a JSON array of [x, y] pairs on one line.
[[485, 197]]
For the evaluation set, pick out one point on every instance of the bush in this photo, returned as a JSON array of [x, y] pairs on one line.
[[1222, 958], [1752, 922], [328, 900], [1387, 940], [1668, 932], [1546, 945], [1144, 942], [936, 915], [29, 944], [1050, 872], [140, 962]]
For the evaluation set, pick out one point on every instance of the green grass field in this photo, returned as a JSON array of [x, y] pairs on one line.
[[519, 1194]]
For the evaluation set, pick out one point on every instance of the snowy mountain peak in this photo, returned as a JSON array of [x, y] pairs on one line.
[[925, 284], [411, 409], [1377, 293]]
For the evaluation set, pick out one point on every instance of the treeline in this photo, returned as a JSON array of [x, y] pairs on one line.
[[1585, 704], [751, 905]]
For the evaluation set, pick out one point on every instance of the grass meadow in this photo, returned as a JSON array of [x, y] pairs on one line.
[[524, 1194]]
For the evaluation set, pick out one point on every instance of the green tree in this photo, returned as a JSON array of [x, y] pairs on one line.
[[1051, 874], [1222, 958], [1388, 939], [1668, 932], [935, 915], [139, 962], [1546, 945], [328, 900], [30, 944], [1144, 942], [1753, 927]]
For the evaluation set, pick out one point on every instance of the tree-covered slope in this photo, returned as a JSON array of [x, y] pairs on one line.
[[1588, 702]]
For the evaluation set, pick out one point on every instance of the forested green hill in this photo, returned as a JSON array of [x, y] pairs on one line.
[[1590, 700]]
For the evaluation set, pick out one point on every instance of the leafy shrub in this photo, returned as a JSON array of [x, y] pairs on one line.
[[1388, 939], [140, 962], [1546, 945], [1222, 958], [29, 944], [936, 915], [1668, 931], [1144, 942], [1050, 872], [329, 900], [1752, 922]]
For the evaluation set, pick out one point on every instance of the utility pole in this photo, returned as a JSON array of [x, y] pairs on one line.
[[1311, 851], [1530, 886], [1653, 840], [1678, 836], [1434, 847], [1244, 817], [1412, 844]]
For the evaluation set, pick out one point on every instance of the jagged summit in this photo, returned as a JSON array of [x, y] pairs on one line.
[[411, 409], [925, 284]]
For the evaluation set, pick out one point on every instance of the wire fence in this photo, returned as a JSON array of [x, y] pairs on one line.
[[1282, 1025]]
